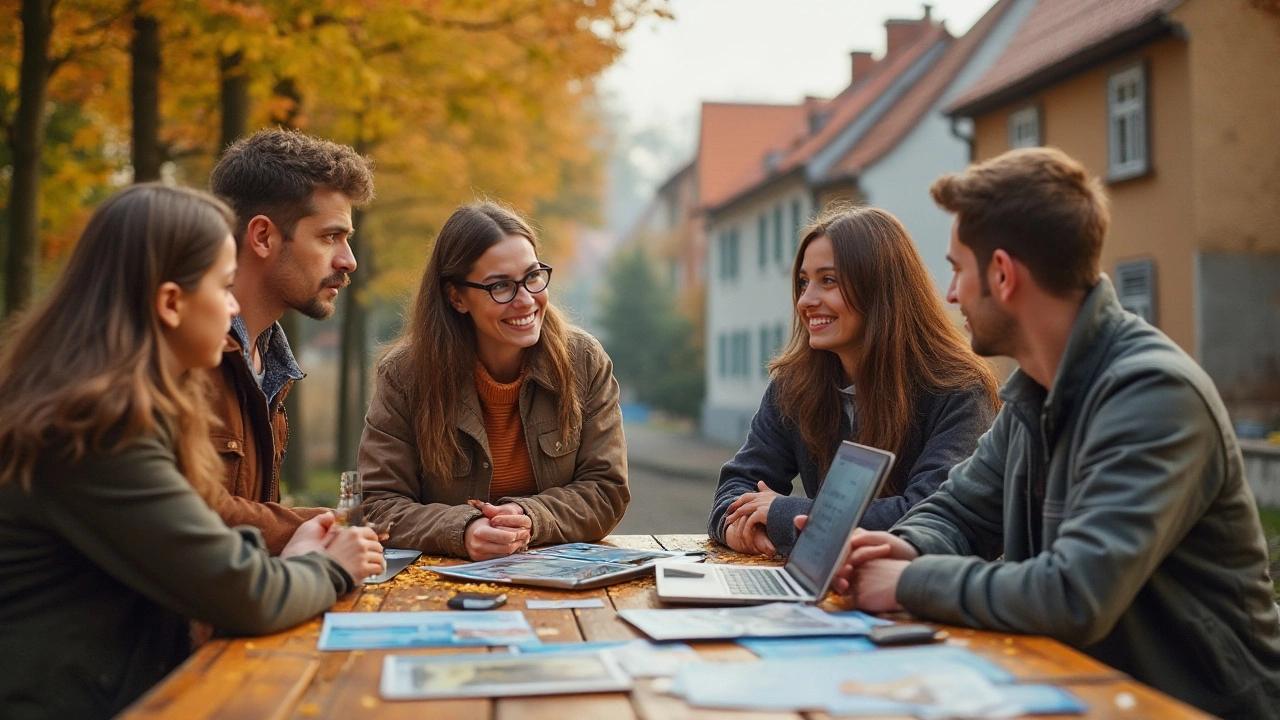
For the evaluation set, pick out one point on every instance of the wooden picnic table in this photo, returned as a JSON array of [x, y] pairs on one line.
[[285, 676]]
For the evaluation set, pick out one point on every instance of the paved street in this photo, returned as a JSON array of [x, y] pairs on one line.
[[672, 477]]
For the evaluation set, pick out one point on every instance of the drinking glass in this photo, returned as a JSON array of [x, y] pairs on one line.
[[350, 511]]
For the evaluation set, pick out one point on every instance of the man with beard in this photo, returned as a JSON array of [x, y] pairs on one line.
[[1111, 482], [292, 195]]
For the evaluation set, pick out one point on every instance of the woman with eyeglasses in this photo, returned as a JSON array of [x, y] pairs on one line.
[[873, 358], [495, 423]]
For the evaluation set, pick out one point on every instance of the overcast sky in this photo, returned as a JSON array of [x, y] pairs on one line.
[[748, 50]]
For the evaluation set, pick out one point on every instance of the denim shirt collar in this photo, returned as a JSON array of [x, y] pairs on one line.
[[278, 364]]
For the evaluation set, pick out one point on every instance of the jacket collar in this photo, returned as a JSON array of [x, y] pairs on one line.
[[1091, 335], [278, 363]]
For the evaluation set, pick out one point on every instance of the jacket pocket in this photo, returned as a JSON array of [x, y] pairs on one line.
[[559, 456], [232, 450], [553, 445]]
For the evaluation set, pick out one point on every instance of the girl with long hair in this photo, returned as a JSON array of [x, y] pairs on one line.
[[494, 423], [872, 358], [107, 544]]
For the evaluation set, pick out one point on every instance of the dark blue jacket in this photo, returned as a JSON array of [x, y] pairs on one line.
[[947, 430]]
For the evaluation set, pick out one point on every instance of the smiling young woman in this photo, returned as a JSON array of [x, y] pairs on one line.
[[495, 424], [108, 546], [872, 358]]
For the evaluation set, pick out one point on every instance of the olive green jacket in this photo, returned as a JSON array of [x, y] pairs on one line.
[[103, 563], [1119, 502], [581, 479]]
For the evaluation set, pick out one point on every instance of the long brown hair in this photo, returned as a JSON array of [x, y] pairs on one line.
[[436, 352], [908, 344], [83, 371]]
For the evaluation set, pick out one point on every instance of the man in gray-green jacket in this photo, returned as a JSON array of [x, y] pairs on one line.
[[1111, 481]]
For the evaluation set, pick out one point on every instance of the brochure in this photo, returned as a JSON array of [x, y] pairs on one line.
[[637, 658], [571, 566], [928, 683], [454, 676], [396, 560], [370, 631], [771, 620], [806, 647]]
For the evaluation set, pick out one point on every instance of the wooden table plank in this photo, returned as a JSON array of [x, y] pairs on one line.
[[614, 706], [355, 693], [632, 542], [160, 700]]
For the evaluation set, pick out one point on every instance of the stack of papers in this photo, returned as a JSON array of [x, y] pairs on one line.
[[451, 676], [532, 670], [572, 566], [932, 682], [371, 631], [772, 620]]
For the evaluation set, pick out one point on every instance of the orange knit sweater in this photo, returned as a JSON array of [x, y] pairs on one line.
[[512, 471]]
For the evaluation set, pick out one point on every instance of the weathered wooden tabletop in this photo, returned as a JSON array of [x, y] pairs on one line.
[[285, 676]]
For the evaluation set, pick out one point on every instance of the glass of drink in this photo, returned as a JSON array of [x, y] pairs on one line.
[[350, 511]]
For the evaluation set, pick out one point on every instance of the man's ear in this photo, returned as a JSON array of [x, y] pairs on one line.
[[261, 236], [455, 298], [169, 299], [1003, 275]]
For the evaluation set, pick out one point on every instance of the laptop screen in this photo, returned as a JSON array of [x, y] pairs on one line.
[[851, 484]]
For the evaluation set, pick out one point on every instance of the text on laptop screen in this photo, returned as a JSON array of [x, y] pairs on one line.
[[845, 492]]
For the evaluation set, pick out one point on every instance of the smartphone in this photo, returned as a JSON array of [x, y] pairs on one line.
[[476, 601], [904, 634]]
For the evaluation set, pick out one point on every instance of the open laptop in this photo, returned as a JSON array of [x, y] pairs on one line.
[[854, 480]]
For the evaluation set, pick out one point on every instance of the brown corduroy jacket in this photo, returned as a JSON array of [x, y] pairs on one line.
[[581, 480], [251, 438]]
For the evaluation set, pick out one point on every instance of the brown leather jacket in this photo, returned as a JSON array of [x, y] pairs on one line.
[[582, 480], [251, 439]]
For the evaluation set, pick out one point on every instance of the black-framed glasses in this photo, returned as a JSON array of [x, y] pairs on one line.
[[504, 291]]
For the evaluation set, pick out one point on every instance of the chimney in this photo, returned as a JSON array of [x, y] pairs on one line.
[[862, 65], [900, 34]]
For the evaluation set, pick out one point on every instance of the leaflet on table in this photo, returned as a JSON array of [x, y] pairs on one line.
[[487, 675], [369, 631], [781, 647], [575, 565], [771, 620], [638, 658], [925, 682]]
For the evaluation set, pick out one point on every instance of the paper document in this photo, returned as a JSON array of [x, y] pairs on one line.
[[571, 566], [504, 675], [368, 631], [772, 620]]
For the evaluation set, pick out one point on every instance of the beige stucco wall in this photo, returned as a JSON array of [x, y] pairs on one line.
[[1234, 70], [1152, 215]]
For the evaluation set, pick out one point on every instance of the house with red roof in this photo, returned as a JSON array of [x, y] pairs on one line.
[[882, 141], [1174, 103]]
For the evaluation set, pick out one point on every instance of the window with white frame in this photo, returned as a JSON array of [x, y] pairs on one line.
[[1024, 128], [1127, 123], [1136, 287]]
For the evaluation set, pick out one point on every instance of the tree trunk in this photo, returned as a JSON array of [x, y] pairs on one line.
[[287, 88], [354, 365], [294, 469], [234, 97], [144, 52], [26, 140]]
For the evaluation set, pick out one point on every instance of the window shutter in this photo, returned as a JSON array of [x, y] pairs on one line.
[[1136, 286]]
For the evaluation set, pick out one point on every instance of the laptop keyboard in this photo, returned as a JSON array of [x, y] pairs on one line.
[[743, 581]]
